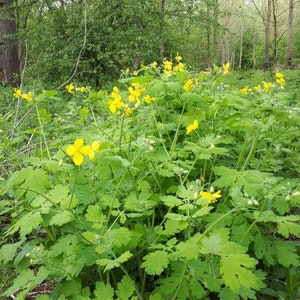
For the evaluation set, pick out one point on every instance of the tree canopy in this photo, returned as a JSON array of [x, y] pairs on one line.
[[92, 40]]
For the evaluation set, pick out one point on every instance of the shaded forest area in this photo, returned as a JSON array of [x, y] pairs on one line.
[[91, 41]]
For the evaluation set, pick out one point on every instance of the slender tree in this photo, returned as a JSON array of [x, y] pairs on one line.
[[288, 56], [9, 62]]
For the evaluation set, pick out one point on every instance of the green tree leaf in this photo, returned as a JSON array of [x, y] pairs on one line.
[[155, 262]]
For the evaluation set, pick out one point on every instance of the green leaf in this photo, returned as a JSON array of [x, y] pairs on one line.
[[188, 250], [38, 181], [155, 262], [121, 236], [155, 296], [227, 176], [286, 227], [61, 218], [171, 201], [27, 223], [124, 257], [236, 273], [60, 194], [125, 288], [211, 244], [114, 263], [103, 291], [94, 214], [196, 289], [109, 264], [227, 294], [286, 253], [8, 251], [203, 210]]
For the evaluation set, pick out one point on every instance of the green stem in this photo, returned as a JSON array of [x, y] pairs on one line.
[[176, 133], [42, 131], [252, 149], [73, 190], [181, 280], [215, 222], [159, 133]]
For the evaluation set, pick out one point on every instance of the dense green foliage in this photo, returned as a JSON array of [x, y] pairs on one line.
[[192, 194], [96, 40]]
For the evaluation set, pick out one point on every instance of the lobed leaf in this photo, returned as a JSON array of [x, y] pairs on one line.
[[155, 262]]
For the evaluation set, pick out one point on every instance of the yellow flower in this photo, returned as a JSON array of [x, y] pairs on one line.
[[212, 198], [245, 90], [81, 89], [188, 86], [148, 99], [27, 97], [94, 148], [280, 81], [115, 104], [226, 68], [168, 65], [178, 58], [257, 88], [135, 93], [278, 75], [279, 78], [128, 110], [154, 65], [70, 88], [116, 100], [17, 93], [179, 67], [192, 127], [77, 151], [267, 86]]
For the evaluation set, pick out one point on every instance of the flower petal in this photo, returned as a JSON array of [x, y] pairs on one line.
[[95, 145], [78, 143], [71, 150], [78, 159], [86, 150]]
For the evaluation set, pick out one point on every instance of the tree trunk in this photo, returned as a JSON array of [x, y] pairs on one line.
[[267, 36], [9, 60], [288, 55], [275, 51], [162, 29]]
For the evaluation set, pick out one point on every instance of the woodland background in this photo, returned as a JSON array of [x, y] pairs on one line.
[[93, 40]]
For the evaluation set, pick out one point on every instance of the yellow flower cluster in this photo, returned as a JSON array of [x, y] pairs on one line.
[[71, 88], [280, 79], [266, 86], [115, 101], [169, 70], [135, 95], [18, 94], [188, 86], [135, 92], [211, 197], [78, 150]]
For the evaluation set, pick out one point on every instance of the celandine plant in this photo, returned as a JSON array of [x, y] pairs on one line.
[[169, 186]]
